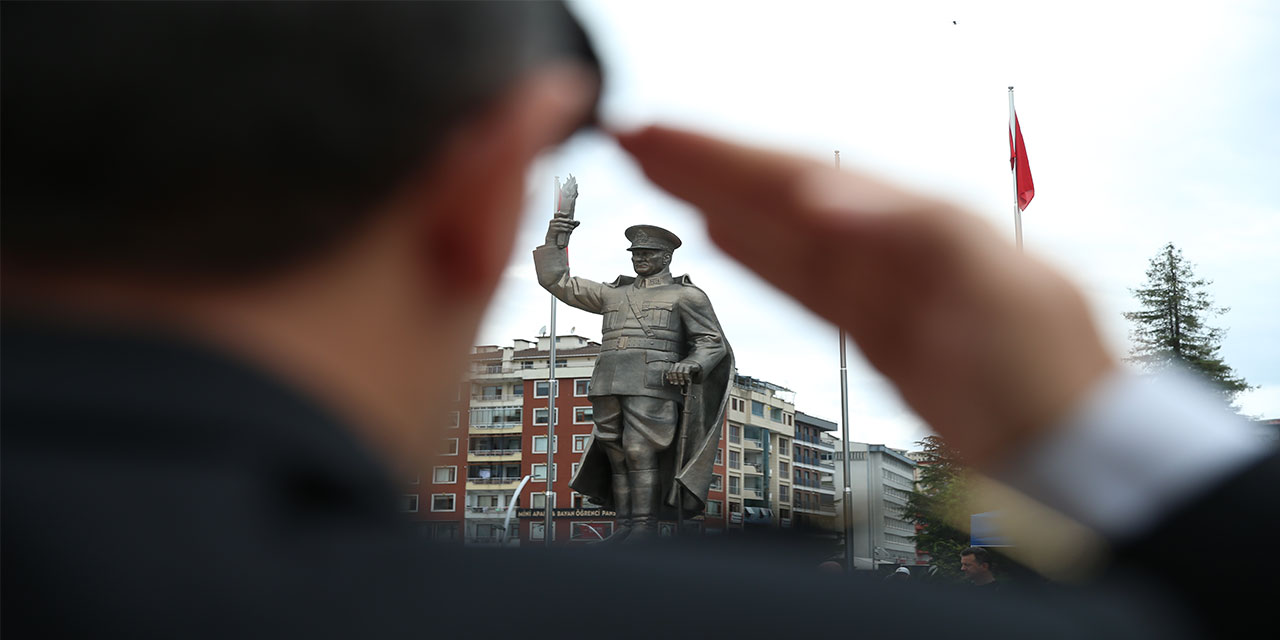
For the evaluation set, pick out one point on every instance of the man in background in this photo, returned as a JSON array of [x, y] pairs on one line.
[[245, 251], [975, 564]]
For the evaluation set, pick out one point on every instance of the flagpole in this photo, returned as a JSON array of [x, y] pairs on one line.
[[548, 530], [1013, 138], [844, 443]]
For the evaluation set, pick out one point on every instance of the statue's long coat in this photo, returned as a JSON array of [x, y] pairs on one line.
[[672, 321]]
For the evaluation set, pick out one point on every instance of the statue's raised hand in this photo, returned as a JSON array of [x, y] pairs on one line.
[[563, 223], [568, 196], [559, 229]]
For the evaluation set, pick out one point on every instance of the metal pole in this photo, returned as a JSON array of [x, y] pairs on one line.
[[844, 441], [549, 495], [1013, 139]]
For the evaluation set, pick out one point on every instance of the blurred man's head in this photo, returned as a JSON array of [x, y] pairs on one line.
[[975, 563], [303, 180]]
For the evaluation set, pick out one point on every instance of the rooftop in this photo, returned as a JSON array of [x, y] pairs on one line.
[[814, 421]]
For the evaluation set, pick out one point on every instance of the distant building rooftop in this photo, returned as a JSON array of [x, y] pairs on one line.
[[814, 421]]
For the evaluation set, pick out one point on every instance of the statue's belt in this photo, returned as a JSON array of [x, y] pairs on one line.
[[629, 342]]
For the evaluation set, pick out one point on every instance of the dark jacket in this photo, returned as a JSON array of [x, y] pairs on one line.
[[154, 488]]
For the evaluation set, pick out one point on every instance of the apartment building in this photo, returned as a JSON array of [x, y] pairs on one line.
[[881, 480], [760, 429], [474, 490], [813, 474]]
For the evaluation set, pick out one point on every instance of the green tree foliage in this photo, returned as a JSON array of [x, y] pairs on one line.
[[1171, 328], [938, 503]]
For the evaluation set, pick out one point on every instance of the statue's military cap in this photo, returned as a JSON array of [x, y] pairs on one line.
[[647, 236]]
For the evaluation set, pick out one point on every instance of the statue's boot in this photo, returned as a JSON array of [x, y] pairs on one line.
[[622, 505], [644, 506]]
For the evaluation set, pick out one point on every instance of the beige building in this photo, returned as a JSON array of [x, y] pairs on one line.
[[757, 453]]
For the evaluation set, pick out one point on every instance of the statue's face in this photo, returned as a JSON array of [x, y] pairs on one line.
[[648, 262]]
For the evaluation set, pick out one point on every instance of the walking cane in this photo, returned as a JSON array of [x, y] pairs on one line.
[[680, 444]]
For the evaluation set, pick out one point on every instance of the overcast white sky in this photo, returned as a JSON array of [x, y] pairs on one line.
[[1144, 122]]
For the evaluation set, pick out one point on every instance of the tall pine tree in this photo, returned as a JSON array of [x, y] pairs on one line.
[[1171, 328], [938, 504]]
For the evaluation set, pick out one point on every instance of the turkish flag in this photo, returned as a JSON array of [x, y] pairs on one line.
[[1018, 161]]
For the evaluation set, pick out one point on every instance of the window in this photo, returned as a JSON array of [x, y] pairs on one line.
[[583, 415], [735, 460], [582, 387], [538, 500], [784, 513], [788, 420], [517, 390], [485, 502], [450, 446], [757, 408], [784, 493], [784, 469], [539, 472], [491, 392], [540, 416], [715, 507], [454, 417], [540, 444], [735, 485], [445, 531], [409, 503], [442, 501], [775, 414], [735, 507], [784, 448], [574, 471], [540, 388], [580, 443], [590, 530], [537, 531], [719, 456], [496, 417], [444, 475], [735, 434], [717, 482]]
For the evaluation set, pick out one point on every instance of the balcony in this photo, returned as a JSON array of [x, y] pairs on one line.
[[816, 510], [753, 469], [504, 482], [485, 512], [752, 494], [493, 455], [494, 371], [498, 427], [750, 444], [814, 464], [487, 398]]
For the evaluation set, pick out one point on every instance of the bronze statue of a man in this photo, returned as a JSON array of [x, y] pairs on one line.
[[661, 339]]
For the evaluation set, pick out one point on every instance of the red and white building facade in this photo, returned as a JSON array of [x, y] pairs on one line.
[[496, 435]]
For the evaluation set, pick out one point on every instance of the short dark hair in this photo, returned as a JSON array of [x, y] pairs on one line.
[[232, 138], [980, 555]]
